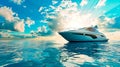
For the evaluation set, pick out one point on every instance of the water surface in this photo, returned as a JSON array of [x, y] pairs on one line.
[[28, 53]]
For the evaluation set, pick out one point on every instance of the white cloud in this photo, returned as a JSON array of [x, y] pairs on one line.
[[52, 7], [113, 35], [105, 21], [57, 18], [18, 2], [54, 2], [3, 34], [7, 13], [19, 26], [39, 29], [42, 29], [67, 16], [83, 3], [100, 3], [29, 22], [11, 22], [40, 9], [6, 34]]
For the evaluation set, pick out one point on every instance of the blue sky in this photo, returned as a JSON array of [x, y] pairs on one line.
[[48, 15]]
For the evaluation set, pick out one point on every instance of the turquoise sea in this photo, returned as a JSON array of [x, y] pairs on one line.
[[28, 53]]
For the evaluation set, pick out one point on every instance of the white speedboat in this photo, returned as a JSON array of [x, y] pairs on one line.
[[87, 34]]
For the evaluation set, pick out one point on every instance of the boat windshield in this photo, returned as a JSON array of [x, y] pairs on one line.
[[91, 29]]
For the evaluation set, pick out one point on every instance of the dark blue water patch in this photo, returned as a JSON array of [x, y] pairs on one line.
[[87, 48], [103, 53], [28, 53]]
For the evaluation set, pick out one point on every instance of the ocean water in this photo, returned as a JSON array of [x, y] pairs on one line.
[[28, 53]]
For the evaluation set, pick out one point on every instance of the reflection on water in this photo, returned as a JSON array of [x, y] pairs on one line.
[[87, 48], [30, 53], [82, 53], [92, 54]]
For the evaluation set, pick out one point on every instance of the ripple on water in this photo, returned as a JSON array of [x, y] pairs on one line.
[[30, 53]]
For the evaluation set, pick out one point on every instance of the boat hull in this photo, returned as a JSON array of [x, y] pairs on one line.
[[73, 37]]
